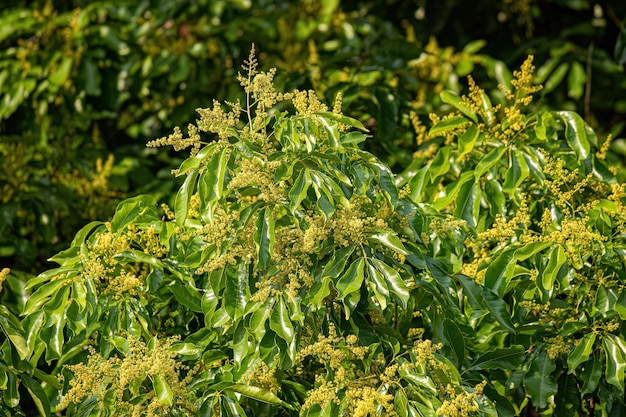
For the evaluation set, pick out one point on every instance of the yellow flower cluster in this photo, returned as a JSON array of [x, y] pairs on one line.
[[350, 224], [127, 374], [258, 173], [3, 276], [557, 346], [262, 376], [461, 404]]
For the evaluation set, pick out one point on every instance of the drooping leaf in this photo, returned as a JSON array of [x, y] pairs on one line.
[[539, 382], [575, 133], [264, 238]]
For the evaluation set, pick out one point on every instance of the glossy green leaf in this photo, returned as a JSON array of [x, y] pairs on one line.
[[441, 163], [468, 203], [37, 394], [455, 340], [183, 196], [11, 395], [258, 394], [468, 139], [264, 238], [556, 259], [501, 358], [280, 322], [61, 72], [12, 328], [447, 125], [591, 374], [530, 249], [498, 308], [211, 182], [581, 352], [162, 389], [500, 272], [575, 133], [457, 102], [187, 295], [489, 160], [394, 281], [389, 240], [517, 172], [539, 382], [352, 279], [615, 351], [401, 403], [128, 210]]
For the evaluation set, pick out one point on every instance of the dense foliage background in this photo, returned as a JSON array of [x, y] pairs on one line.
[[540, 301]]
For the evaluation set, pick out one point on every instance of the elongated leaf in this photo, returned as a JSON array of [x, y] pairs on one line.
[[538, 382], [500, 272], [468, 203], [457, 102], [162, 390], [395, 282], [37, 394], [453, 334], [259, 394], [389, 240], [556, 259], [42, 295], [581, 352], [264, 238], [441, 163], [130, 209], [489, 160], [498, 309], [575, 133], [187, 295], [530, 249], [518, 171], [502, 358], [591, 375], [211, 182], [353, 278], [236, 293], [615, 350], [181, 203], [13, 330], [468, 139], [280, 322], [447, 125]]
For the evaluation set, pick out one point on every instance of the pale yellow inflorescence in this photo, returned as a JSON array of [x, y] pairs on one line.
[[122, 374]]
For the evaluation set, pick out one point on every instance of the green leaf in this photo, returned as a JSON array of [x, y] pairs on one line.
[[183, 196], [187, 295], [555, 78], [395, 282], [489, 160], [37, 394], [62, 72], [211, 183], [401, 403], [576, 80], [457, 102], [43, 293], [11, 395], [517, 172], [440, 164], [468, 203], [352, 279], [538, 382], [236, 292], [12, 328], [575, 133], [591, 374], [162, 390], [389, 240], [498, 309], [447, 125], [349, 121], [130, 209], [280, 322], [468, 139], [500, 272], [502, 358], [556, 259], [264, 238], [524, 252], [258, 394], [615, 351], [581, 352], [455, 339]]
